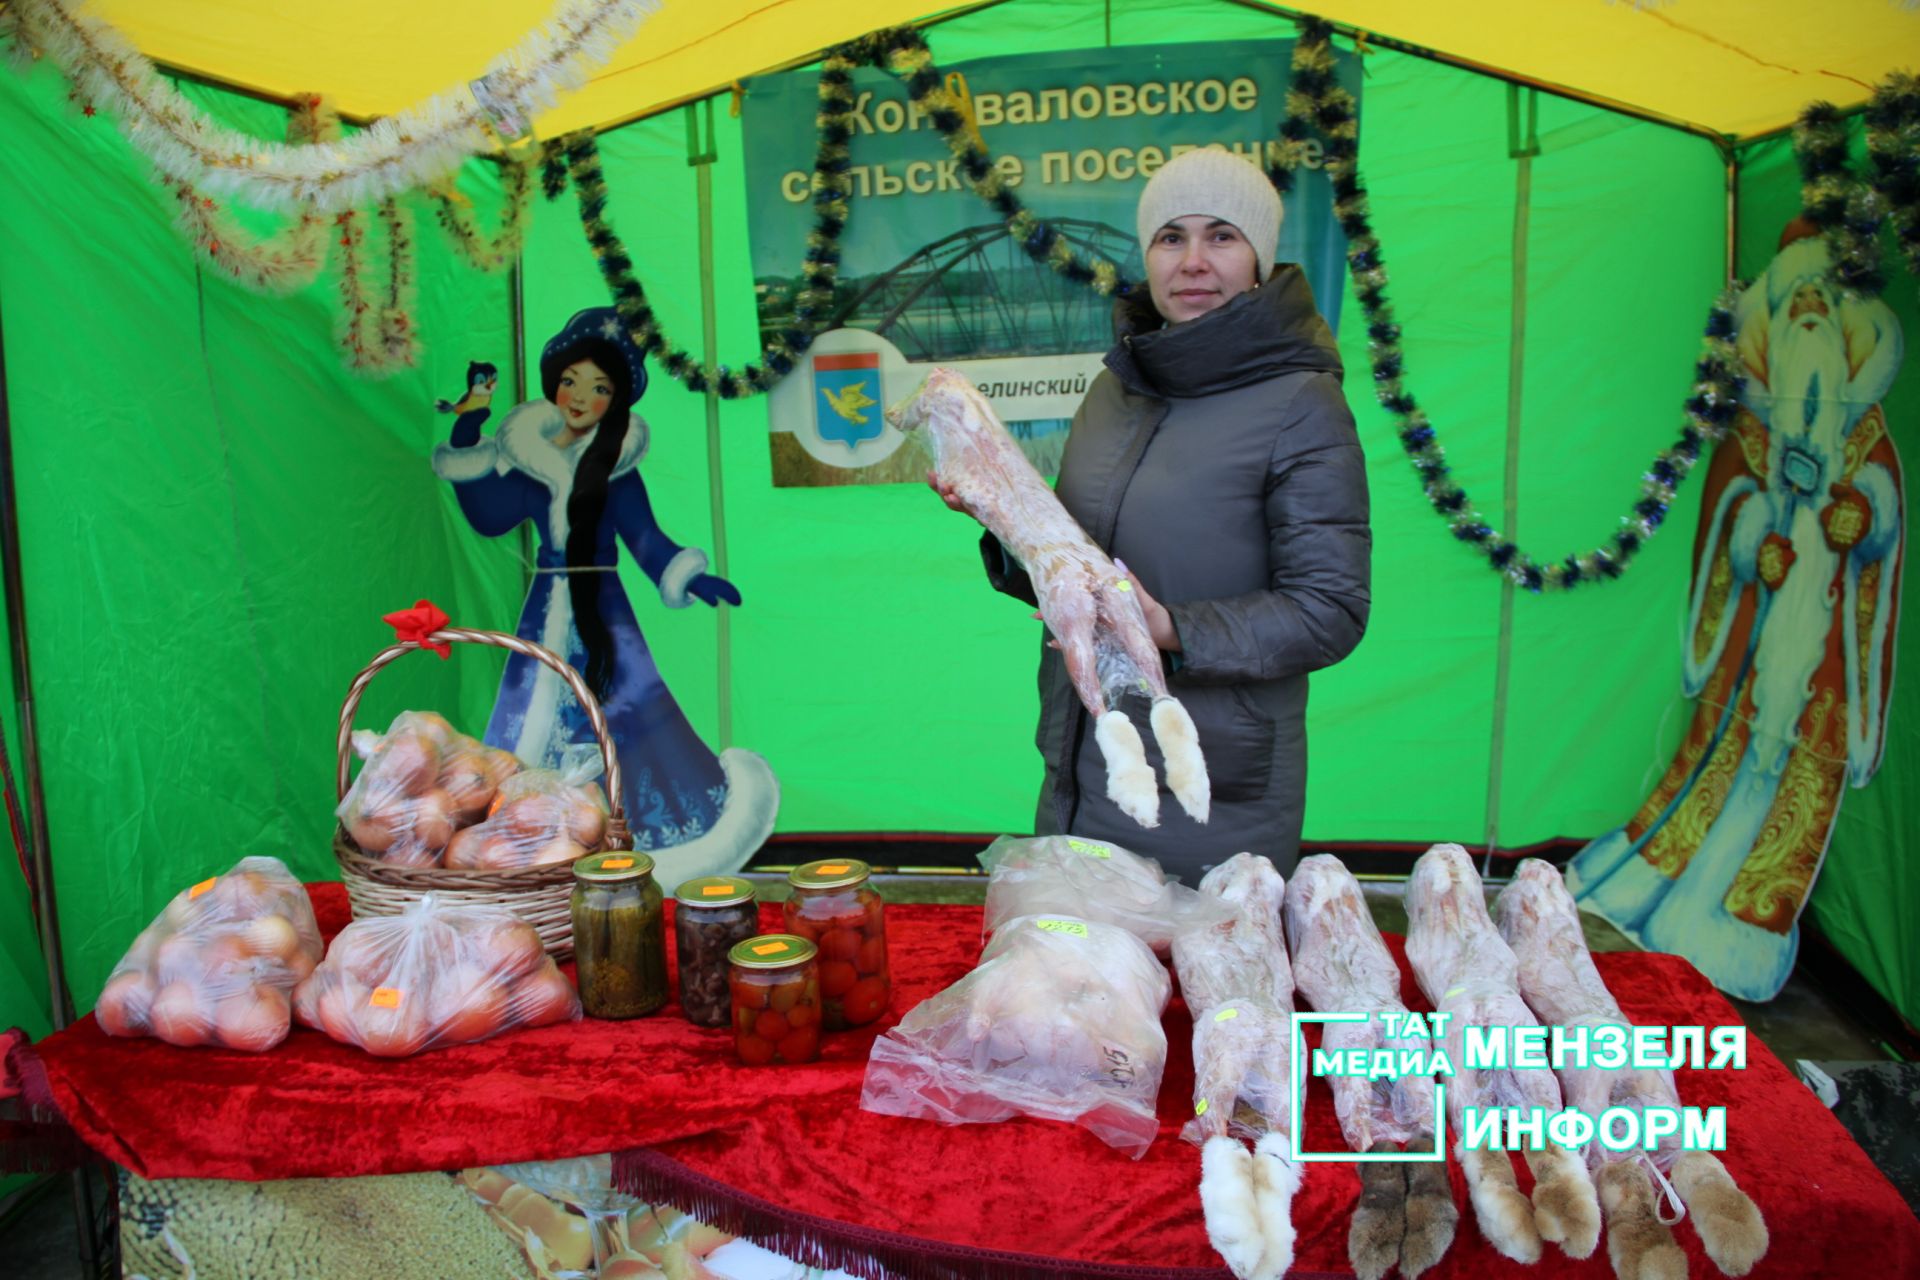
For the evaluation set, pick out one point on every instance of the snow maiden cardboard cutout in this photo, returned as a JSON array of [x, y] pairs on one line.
[[570, 463], [1789, 646]]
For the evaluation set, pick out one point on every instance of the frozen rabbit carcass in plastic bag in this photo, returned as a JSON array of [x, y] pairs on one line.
[[436, 974], [1469, 973], [218, 964], [1088, 604], [1060, 1019], [1238, 986], [1405, 1215], [1539, 921], [1089, 880]]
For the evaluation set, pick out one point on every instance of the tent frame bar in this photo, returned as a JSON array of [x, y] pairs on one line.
[[1723, 143]]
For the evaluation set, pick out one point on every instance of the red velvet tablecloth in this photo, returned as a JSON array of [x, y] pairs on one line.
[[786, 1156]]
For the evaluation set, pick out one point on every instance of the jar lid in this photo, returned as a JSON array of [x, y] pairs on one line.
[[771, 951], [829, 873], [613, 865], [715, 891]]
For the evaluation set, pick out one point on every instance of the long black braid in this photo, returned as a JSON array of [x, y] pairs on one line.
[[588, 501]]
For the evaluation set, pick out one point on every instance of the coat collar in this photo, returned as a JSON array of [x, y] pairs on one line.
[[1257, 335], [527, 442]]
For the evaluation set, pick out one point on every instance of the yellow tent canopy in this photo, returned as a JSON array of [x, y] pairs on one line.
[[1736, 68]]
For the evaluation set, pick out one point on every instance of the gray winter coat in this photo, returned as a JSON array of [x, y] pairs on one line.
[[1218, 460]]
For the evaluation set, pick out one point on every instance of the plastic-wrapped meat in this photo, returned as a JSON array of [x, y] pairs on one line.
[[1239, 988], [1538, 919], [1060, 1019], [1088, 604], [1467, 971], [1090, 880], [1341, 964]]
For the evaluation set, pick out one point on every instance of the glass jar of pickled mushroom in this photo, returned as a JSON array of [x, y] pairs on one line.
[[619, 935], [776, 1000], [834, 906], [710, 915]]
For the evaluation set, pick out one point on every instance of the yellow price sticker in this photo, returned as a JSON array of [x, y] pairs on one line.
[[1200, 1107], [1072, 928], [1123, 585], [837, 869], [1226, 1015], [769, 948], [1090, 850], [385, 998], [201, 888], [715, 890], [617, 864]]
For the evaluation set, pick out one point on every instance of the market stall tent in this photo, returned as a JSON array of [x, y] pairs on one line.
[[213, 514]]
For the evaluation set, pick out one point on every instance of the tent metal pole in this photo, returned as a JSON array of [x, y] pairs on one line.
[[1523, 144], [517, 339], [1733, 216], [701, 154], [45, 911]]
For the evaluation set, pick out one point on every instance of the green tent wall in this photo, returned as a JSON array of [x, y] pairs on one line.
[[214, 513]]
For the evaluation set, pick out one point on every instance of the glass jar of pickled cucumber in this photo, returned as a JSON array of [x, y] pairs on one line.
[[776, 1000], [619, 935], [833, 906], [710, 915]]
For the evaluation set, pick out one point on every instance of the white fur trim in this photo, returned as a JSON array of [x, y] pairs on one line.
[[753, 802], [687, 564], [1275, 1180], [526, 442], [1227, 1202], [460, 466], [539, 728], [1130, 783], [1186, 768]]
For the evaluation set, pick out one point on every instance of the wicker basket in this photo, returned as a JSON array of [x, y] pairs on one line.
[[541, 896]]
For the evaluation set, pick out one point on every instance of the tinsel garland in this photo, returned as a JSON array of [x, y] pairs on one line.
[[1849, 210], [284, 263], [410, 148], [1316, 101], [902, 52], [456, 216], [376, 330]]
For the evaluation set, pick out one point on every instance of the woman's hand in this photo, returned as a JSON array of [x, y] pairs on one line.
[[1159, 621], [713, 589], [949, 495]]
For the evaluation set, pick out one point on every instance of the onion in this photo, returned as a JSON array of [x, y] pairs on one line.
[[433, 821], [177, 1017], [543, 997], [126, 1004], [253, 1021]]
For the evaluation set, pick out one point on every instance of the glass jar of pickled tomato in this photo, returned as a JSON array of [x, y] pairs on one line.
[[833, 906], [776, 1000]]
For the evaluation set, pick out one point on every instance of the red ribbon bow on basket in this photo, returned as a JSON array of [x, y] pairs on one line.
[[417, 625]]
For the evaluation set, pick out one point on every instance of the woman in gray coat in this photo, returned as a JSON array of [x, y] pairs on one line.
[[1215, 458]]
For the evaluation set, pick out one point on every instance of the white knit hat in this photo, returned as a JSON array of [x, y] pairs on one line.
[[1215, 182]]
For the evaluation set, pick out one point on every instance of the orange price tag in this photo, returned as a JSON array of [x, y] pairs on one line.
[[617, 864], [768, 948], [715, 890], [385, 998], [837, 869], [201, 888]]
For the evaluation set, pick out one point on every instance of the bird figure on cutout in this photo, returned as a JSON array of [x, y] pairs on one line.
[[482, 378], [850, 402]]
